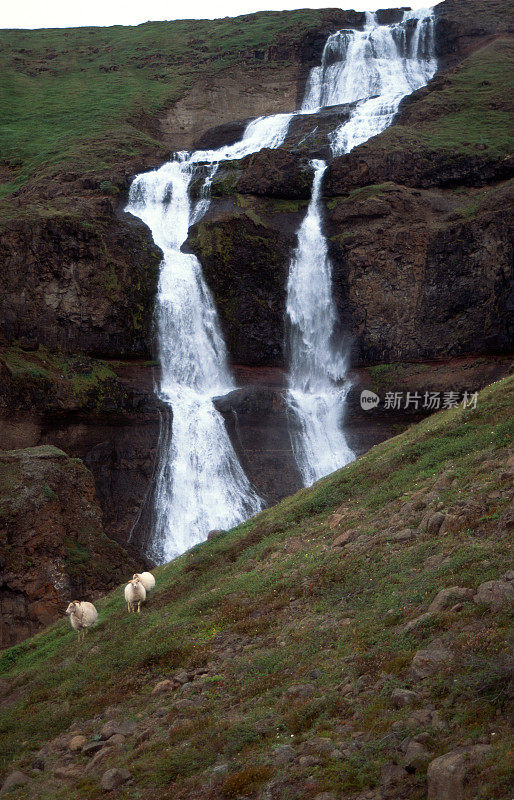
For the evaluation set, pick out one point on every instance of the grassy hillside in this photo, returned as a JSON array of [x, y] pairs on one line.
[[81, 99], [470, 111], [290, 645]]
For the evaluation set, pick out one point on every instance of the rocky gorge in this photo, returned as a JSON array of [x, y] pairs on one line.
[[418, 231]]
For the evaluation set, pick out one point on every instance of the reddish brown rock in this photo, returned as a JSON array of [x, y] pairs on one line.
[[52, 545]]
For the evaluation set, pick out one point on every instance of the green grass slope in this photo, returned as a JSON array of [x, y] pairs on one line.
[[290, 646], [81, 99]]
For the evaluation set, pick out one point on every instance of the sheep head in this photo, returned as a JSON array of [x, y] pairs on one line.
[[73, 606]]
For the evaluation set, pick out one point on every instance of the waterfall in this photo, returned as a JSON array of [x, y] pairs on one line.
[[316, 384], [374, 68], [200, 484]]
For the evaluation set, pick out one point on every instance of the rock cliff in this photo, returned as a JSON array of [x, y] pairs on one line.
[[52, 545]]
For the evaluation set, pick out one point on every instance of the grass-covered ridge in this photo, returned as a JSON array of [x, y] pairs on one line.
[[82, 99], [272, 605], [470, 112]]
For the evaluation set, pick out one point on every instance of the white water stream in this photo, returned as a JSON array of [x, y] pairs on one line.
[[200, 484], [374, 68]]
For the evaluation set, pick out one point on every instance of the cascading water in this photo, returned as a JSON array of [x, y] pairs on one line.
[[317, 388], [200, 484], [374, 68]]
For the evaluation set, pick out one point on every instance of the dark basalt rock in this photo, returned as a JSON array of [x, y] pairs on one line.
[[87, 284], [275, 173], [257, 421], [309, 134]]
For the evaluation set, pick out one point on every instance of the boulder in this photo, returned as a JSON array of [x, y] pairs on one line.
[[162, 687], [114, 778], [430, 660], [77, 743], [12, 780], [448, 775], [434, 523], [446, 598], [495, 594], [403, 697]]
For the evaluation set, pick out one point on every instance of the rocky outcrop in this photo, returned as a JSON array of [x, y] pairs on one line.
[[52, 545], [461, 27], [105, 413], [422, 275], [87, 283], [268, 80], [416, 274]]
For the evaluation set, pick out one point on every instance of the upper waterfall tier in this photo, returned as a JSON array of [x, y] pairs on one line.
[[375, 68]]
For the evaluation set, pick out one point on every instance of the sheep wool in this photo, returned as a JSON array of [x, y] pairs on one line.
[[82, 616], [147, 579], [135, 594]]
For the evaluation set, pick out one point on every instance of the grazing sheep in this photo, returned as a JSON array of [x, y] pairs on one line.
[[82, 616], [147, 579], [135, 594]]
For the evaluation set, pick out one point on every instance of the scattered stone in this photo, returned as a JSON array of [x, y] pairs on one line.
[[326, 796], [417, 621], [448, 775], [92, 748], [428, 718], [404, 535], [162, 687], [185, 705], [509, 576], [416, 754], [403, 697], [448, 597], [429, 661], [77, 743], [309, 761], [283, 754], [116, 741], [114, 778], [15, 778], [300, 690], [213, 534], [220, 769], [181, 676], [69, 773], [435, 522], [495, 594], [393, 781], [109, 729], [343, 539]]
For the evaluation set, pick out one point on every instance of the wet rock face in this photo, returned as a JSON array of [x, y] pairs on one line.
[[258, 423], [417, 274], [52, 545], [87, 283]]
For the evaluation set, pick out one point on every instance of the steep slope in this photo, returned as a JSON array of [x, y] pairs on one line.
[[320, 650]]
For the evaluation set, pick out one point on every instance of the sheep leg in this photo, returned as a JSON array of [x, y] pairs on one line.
[[129, 609], [139, 607]]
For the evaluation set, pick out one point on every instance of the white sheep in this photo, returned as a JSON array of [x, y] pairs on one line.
[[135, 594], [82, 616], [147, 579]]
